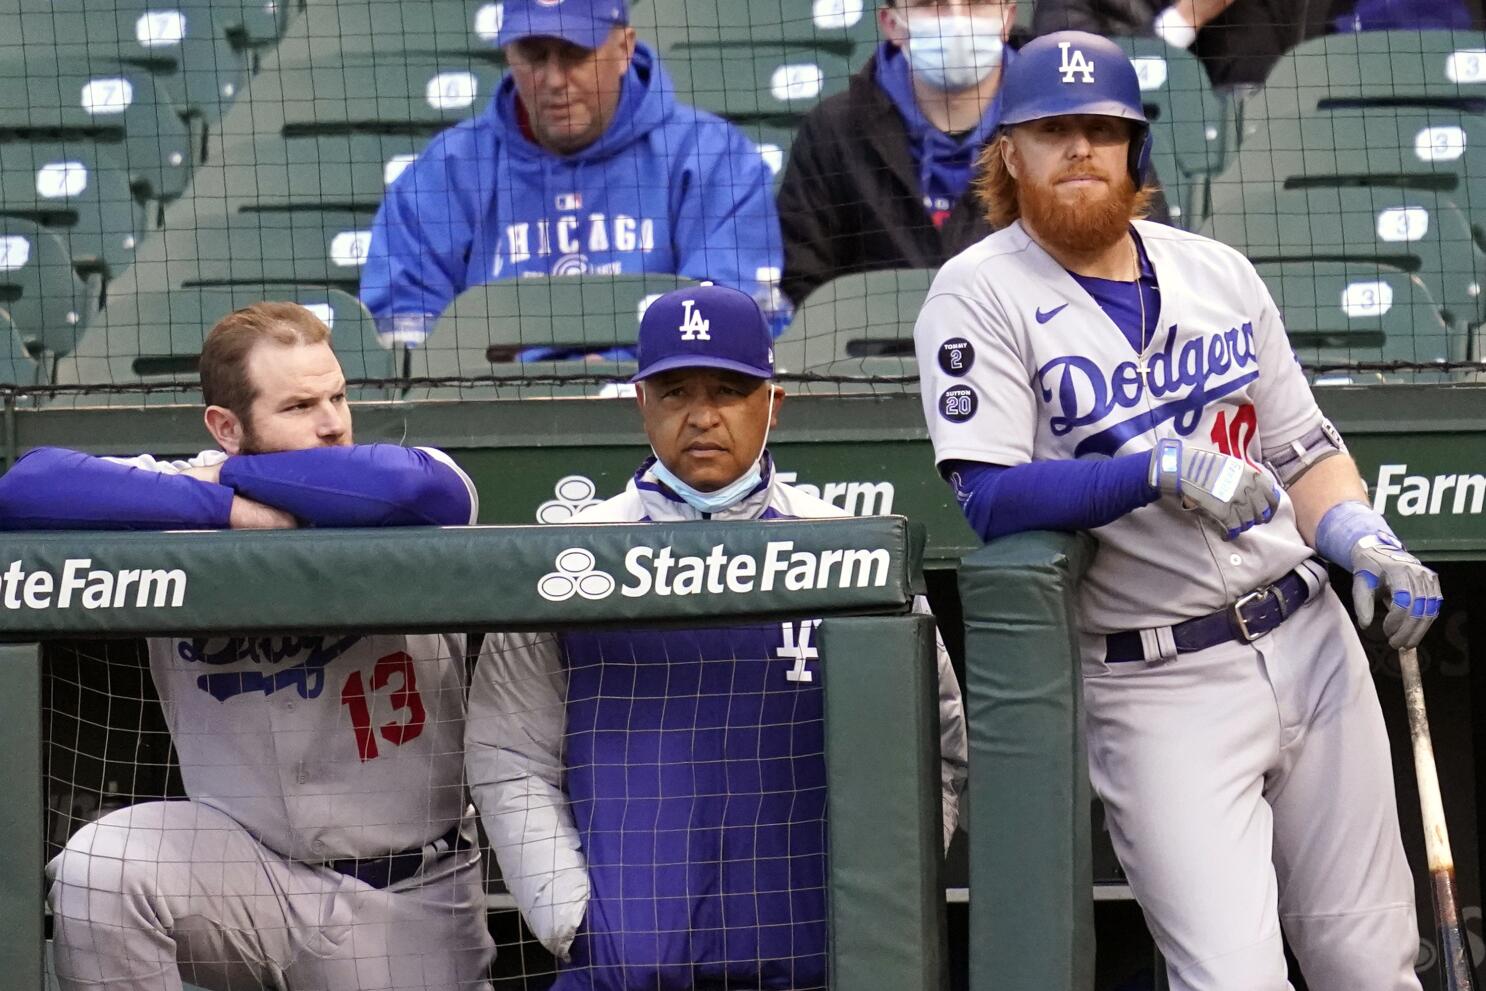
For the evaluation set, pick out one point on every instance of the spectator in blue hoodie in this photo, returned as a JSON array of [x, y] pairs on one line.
[[879, 176], [584, 163]]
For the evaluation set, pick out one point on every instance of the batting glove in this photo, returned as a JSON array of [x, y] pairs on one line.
[[1380, 562], [1226, 490]]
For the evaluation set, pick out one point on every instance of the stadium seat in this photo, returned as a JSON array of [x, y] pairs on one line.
[[122, 107], [155, 337], [81, 192], [1338, 314], [40, 292], [758, 82], [275, 172], [857, 325], [17, 367], [1410, 230], [487, 327], [366, 27], [200, 51], [308, 246], [773, 143], [1190, 123], [1383, 69], [386, 94], [847, 27]]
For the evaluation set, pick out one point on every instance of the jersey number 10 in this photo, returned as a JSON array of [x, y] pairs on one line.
[[1233, 437]]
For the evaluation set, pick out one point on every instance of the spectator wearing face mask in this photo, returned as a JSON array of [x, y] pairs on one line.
[[879, 176]]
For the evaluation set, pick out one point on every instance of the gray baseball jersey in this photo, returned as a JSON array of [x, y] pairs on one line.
[[1019, 363], [1248, 785]]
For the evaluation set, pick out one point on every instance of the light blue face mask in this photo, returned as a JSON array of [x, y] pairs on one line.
[[730, 494]]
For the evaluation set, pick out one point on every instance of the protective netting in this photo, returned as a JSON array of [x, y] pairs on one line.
[[164, 163], [260, 809]]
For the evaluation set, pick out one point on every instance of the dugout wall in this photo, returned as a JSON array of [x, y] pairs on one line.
[[881, 722]]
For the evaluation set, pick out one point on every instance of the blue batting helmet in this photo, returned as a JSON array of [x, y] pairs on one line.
[[1074, 72]]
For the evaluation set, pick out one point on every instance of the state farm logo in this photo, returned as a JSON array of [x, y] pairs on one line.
[[575, 575], [572, 494]]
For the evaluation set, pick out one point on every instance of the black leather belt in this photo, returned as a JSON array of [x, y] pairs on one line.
[[391, 868], [1246, 620]]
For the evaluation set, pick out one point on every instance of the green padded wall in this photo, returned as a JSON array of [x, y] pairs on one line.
[[1032, 913]]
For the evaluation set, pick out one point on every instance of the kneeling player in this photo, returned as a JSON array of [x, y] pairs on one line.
[[316, 850]]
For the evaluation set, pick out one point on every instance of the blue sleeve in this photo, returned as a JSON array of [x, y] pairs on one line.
[[1049, 495], [55, 489], [726, 223], [364, 485], [422, 234]]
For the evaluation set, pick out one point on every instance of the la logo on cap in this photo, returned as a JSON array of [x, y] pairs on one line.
[[693, 326], [1077, 64]]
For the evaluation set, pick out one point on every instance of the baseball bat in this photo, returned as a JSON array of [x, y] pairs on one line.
[[1455, 957]]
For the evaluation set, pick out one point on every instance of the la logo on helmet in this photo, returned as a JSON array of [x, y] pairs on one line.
[[1075, 65], [693, 327]]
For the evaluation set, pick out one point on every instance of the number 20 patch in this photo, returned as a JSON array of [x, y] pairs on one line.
[[958, 404]]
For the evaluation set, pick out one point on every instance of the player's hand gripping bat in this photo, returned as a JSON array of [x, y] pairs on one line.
[[1455, 958]]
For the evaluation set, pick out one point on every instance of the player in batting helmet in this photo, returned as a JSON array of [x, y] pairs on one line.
[[1093, 76]]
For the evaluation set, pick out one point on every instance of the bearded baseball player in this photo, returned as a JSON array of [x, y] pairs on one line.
[[656, 799], [1084, 369], [325, 844]]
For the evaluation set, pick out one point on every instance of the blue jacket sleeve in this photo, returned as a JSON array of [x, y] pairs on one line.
[[364, 485], [1049, 495], [726, 223], [422, 234], [55, 489]]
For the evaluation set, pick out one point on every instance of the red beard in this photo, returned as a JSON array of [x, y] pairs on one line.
[[1086, 222]]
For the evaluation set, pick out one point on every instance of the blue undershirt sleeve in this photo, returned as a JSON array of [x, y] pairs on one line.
[[1049, 495], [363, 485], [55, 489]]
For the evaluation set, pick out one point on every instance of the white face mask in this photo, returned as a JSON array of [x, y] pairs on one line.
[[953, 51]]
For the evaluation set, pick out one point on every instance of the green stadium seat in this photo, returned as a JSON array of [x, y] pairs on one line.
[[391, 26], [488, 326], [1190, 123], [1408, 231], [122, 107], [40, 292], [758, 82], [307, 246], [848, 27], [387, 94], [858, 326], [1383, 69], [774, 143], [80, 191], [273, 172], [155, 338], [1339, 314], [17, 367]]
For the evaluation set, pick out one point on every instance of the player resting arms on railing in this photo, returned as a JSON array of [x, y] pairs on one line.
[[325, 842], [656, 799], [1086, 370]]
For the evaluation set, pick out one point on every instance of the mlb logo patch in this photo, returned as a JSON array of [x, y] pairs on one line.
[[569, 201]]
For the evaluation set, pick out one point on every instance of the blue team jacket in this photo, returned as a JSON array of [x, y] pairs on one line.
[[666, 189]]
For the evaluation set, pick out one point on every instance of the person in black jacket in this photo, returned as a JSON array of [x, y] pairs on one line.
[[879, 176], [1239, 41]]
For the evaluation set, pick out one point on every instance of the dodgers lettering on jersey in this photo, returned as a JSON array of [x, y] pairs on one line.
[[1019, 363], [1178, 386]]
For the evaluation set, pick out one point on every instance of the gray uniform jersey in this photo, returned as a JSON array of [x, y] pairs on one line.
[[323, 747], [1019, 363]]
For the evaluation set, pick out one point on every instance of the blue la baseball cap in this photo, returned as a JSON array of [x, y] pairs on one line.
[[585, 23], [705, 326]]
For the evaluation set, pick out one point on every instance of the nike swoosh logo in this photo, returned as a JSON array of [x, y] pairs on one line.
[[1045, 316]]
